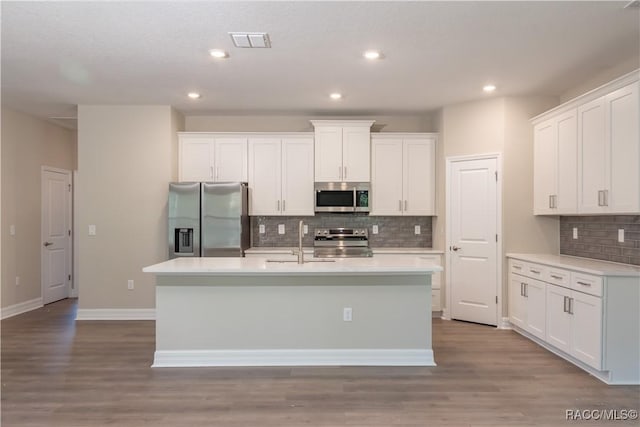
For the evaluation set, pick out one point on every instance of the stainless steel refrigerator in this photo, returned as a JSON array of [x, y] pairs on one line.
[[208, 219]]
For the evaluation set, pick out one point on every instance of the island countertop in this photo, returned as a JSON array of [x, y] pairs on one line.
[[313, 266]]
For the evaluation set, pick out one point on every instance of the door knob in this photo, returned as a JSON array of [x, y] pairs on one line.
[[46, 244], [455, 248]]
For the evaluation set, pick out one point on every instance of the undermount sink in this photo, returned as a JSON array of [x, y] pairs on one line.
[[306, 261]]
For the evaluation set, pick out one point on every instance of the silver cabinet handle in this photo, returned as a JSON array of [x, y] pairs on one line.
[[47, 244], [556, 277], [534, 271], [405, 205], [400, 205], [606, 198], [278, 206], [583, 283], [570, 305], [455, 248], [564, 301], [218, 173], [550, 201], [340, 172], [521, 289], [283, 205], [517, 267], [345, 172], [211, 172], [526, 290]]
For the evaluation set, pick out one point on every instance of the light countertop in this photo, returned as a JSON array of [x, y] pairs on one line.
[[585, 265], [287, 250], [260, 266]]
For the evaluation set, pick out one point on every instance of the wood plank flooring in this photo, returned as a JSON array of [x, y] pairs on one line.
[[58, 372]]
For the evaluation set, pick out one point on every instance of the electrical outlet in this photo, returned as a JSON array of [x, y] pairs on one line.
[[92, 230], [575, 232], [130, 284], [17, 280], [416, 229], [280, 228], [347, 314], [305, 229], [261, 229], [12, 230], [621, 235], [374, 229]]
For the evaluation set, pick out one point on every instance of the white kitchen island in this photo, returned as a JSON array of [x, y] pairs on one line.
[[252, 312]]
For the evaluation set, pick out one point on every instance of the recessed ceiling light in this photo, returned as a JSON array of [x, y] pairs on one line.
[[372, 54], [335, 96], [218, 53], [193, 95], [489, 88]]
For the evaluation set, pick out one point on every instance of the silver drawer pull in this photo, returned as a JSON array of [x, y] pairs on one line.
[[517, 267], [534, 271], [556, 277], [583, 283]]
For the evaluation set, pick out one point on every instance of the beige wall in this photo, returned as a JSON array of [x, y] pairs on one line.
[[498, 125], [27, 144], [300, 123], [126, 158]]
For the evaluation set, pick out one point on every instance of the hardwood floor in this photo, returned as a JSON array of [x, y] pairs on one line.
[[58, 372]]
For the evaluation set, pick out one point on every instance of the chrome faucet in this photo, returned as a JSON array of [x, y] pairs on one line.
[[300, 233]]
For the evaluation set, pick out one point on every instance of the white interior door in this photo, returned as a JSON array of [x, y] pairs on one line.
[[473, 231], [56, 234]]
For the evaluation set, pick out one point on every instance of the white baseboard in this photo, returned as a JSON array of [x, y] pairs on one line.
[[116, 314], [333, 357], [445, 314], [504, 323], [22, 307]]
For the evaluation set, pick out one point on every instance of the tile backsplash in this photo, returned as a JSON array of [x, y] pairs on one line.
[[393, 231], [598, 237]]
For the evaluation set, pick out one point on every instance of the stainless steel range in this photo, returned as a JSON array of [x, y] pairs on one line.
[[341, 242]]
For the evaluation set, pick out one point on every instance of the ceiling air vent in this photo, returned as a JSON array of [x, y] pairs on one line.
[[255, 40]]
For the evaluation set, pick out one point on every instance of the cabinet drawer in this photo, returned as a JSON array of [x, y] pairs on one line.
[[586, 283], [517, 266], [558, 277], [536, 271]]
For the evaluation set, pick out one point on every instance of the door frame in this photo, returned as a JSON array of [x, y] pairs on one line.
[[43, 169], [446, 313]]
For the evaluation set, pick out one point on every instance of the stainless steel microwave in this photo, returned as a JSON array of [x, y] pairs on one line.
[[342, 196]]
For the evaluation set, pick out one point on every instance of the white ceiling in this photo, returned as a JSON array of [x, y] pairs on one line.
[[57, 55]]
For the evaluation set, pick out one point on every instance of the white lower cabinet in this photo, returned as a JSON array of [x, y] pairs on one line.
[[590, 320]]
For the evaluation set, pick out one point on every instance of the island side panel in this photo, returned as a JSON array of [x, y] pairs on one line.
[[229, 313]]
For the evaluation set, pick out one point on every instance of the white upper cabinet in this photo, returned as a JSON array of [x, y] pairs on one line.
[[403, 174], [555, 165], [587, 153], [342, 150], [212, 157], [609, 153], [281, 175]]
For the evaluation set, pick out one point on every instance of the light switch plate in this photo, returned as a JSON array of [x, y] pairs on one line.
[[621, 235], [347, 314], [305, 229], [92, 230], [280, 228], [416, 229], [261, 229], [12, 230], [575, 232], [374, 229]]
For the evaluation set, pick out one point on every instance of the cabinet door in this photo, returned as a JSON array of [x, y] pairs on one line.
[[356, 154], [196, 158], [265, 176], [231, 160], [517, 306], [567, 163], [558, 318], [328, 153], [536, 308], [418, 181], [297, 176], [545, 164], [623, 164], [386, 177], [587, 329], [592, 153]]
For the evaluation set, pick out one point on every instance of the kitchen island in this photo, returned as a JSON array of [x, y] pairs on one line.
[[254, 312]]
